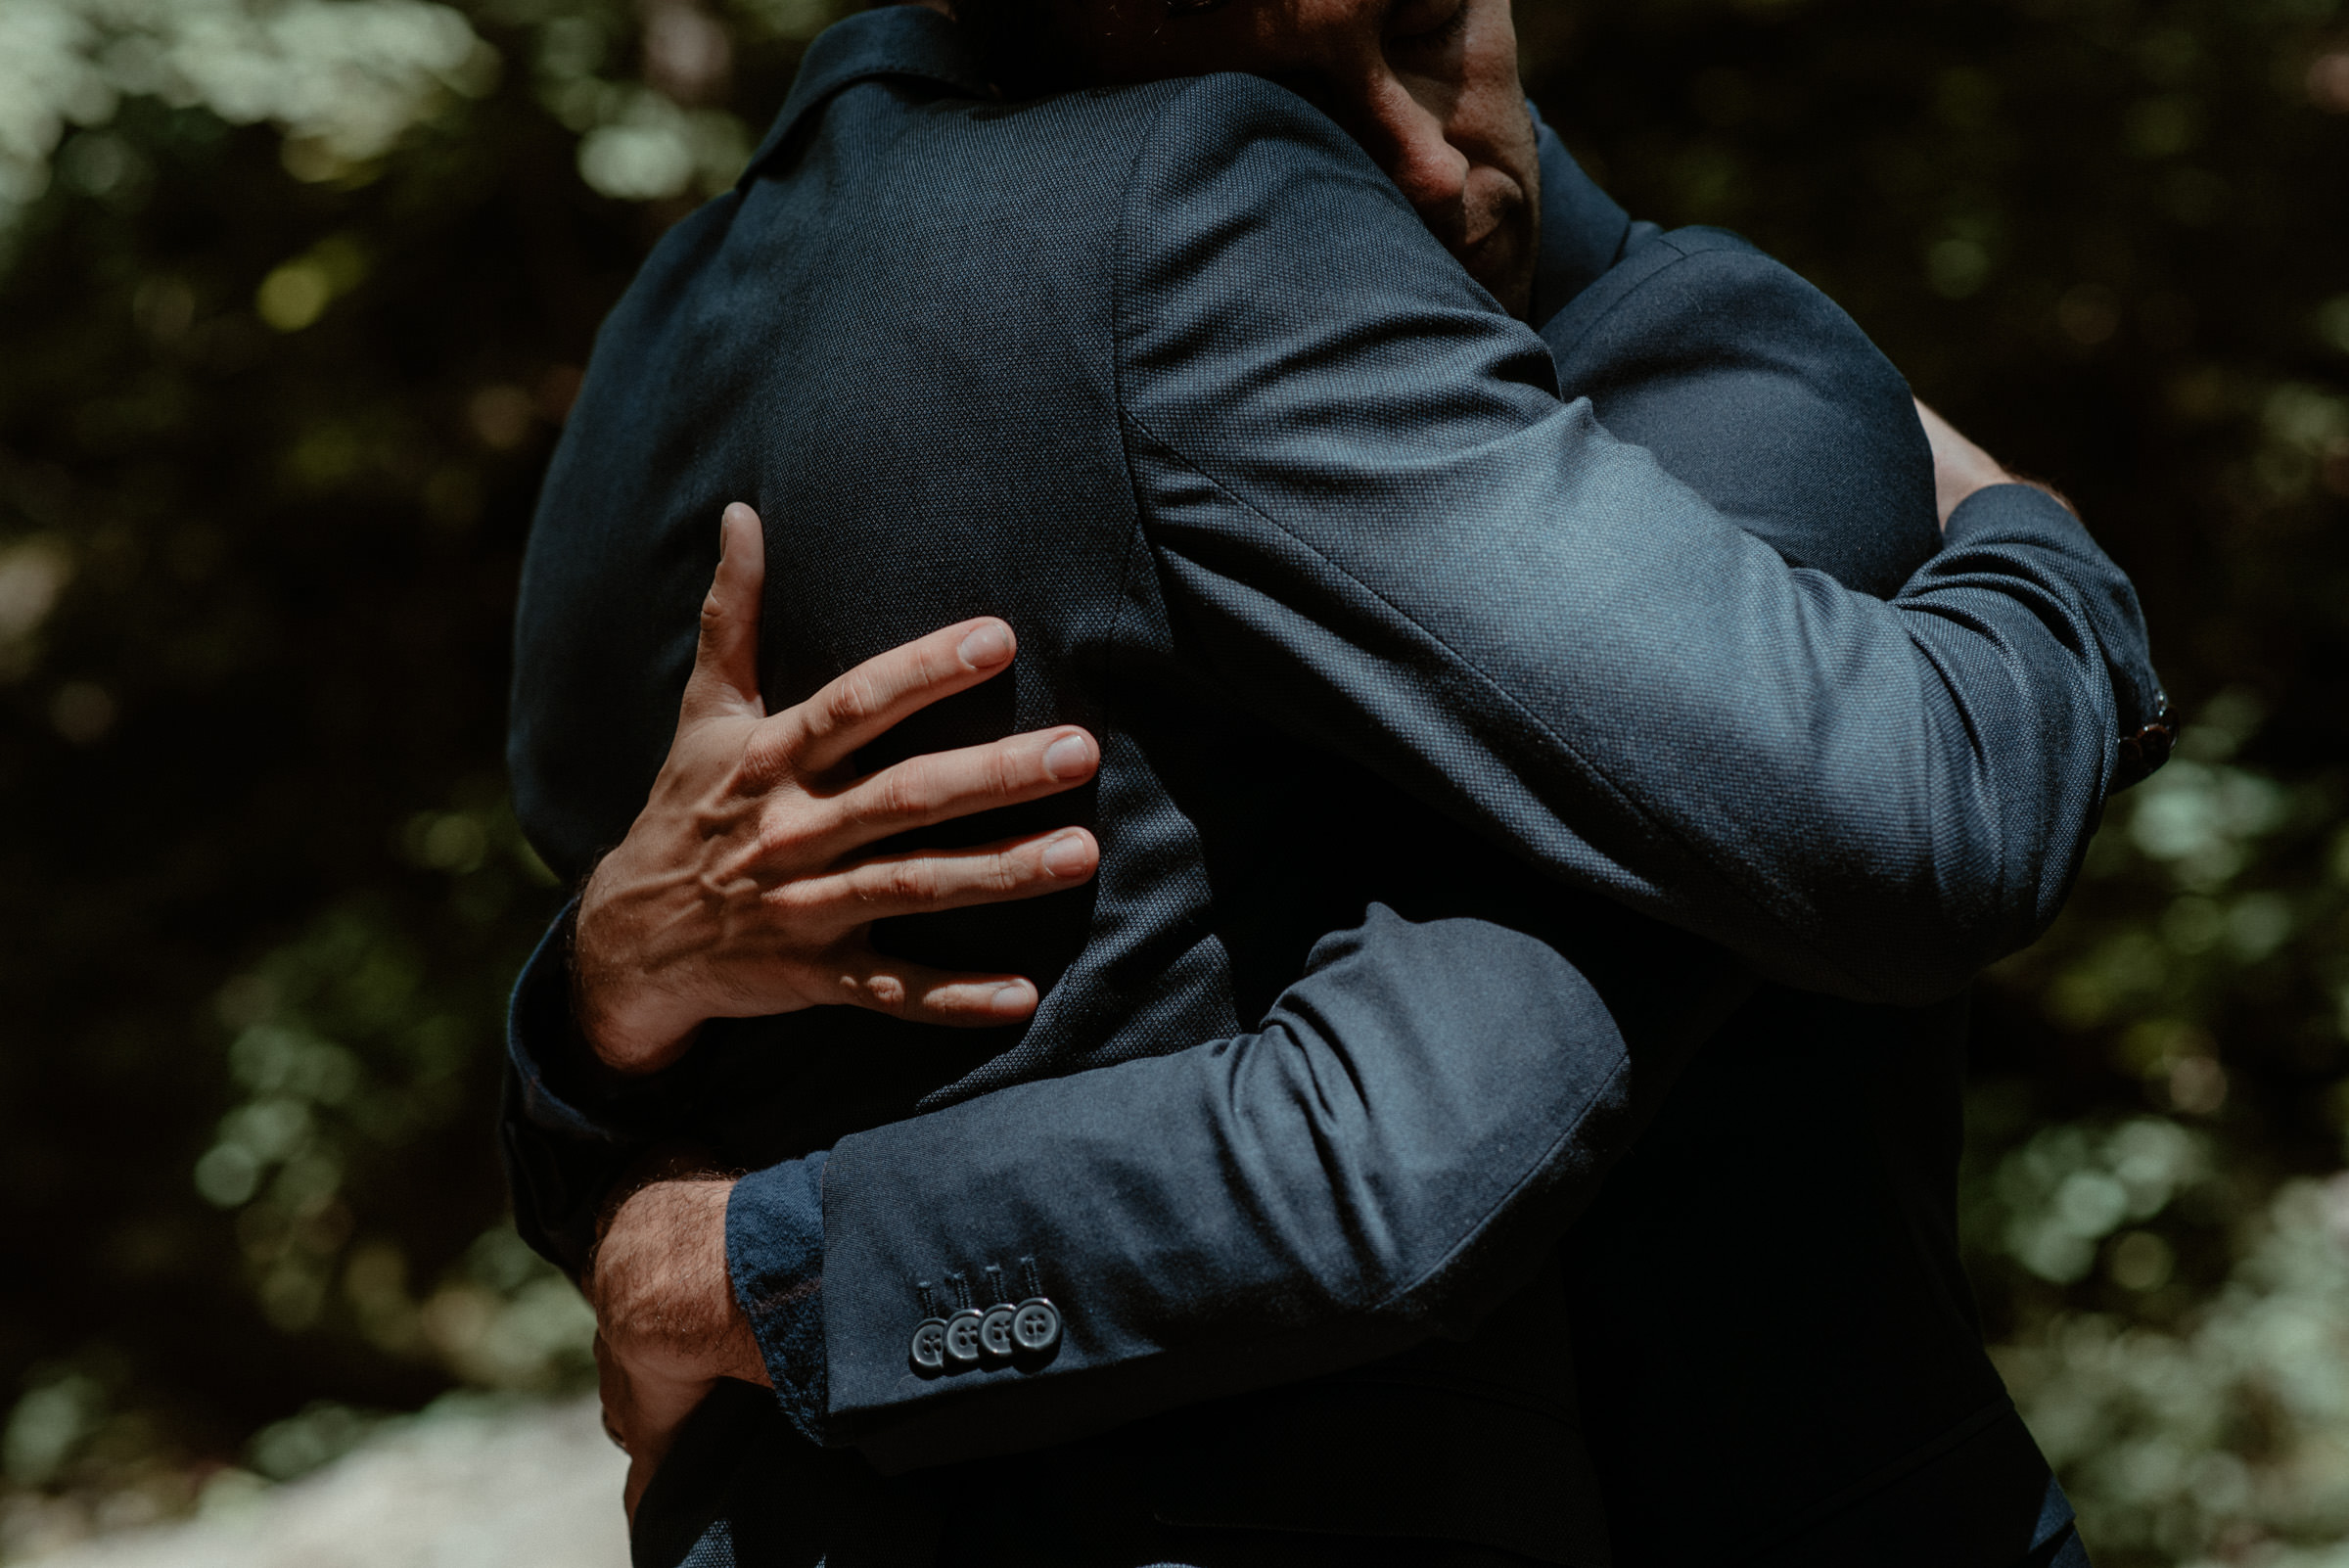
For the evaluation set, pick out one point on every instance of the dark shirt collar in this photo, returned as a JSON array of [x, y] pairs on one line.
[[902, 41], [1583, 232]]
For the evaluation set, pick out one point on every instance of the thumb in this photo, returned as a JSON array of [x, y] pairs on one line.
[[726, 661]]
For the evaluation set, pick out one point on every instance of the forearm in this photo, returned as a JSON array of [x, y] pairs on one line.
[[1416, 1122], [1862, 798], [1406, 549], [1748, 384]]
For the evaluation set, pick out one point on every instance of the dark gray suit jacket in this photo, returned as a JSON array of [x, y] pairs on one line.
[[1296, 521]]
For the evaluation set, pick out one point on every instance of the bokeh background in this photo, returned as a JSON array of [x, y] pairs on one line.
[[294, 295]]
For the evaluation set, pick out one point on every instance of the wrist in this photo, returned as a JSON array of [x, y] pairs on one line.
[[663, 1295], [620, 1015], [630, 1038]]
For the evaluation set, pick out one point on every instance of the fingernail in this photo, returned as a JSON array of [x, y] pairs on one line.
[[1012, 1001], [989, 645], [1067, 855], [1069, 756]]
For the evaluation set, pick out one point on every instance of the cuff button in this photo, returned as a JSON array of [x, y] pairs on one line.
[[928, 1351], [995, 1335], [962, 1336], [1035, 1325]]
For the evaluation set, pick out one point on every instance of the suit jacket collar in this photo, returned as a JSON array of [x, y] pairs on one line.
[[1583, 232], [902, 41]]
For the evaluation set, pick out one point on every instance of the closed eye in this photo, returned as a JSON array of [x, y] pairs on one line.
[[1411, 28]]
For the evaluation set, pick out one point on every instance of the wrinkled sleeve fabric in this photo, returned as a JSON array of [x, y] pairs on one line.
[[1756, 391], [1415, 1121], [1373, 519]]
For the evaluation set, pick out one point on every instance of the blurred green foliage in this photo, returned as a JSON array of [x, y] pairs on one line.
[[295, 294]]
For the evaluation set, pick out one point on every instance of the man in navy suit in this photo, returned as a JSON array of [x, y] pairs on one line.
[[1920, 777]]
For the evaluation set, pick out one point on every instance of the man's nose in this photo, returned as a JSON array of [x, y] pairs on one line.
[[1410, 145]]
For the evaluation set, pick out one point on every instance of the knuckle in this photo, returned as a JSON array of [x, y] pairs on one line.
[[908, 882], [790, 904], [1008, 770], [884, 800], [855, 698], [906, 788], [884, 993]]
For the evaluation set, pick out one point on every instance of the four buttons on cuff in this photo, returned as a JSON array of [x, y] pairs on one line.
[[999, 1334]]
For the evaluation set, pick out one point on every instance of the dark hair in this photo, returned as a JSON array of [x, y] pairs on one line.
[[1026, 52]]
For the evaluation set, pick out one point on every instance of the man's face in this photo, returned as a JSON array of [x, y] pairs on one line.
[[1429, 88]]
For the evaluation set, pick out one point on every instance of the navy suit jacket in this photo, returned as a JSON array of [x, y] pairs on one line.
[[1363, 609]]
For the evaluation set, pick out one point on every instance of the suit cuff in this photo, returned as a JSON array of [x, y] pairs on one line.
[[775, 1254], [2016, 514], [2007, 515], [562, 1086]]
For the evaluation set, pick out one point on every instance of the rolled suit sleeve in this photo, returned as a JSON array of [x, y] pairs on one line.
[[1372, 519]]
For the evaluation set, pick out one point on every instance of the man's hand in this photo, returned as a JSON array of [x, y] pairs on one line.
[[1960, 468], [667, 1326], [736, 893]]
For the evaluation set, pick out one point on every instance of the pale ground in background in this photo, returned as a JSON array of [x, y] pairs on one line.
[[522, 1489]]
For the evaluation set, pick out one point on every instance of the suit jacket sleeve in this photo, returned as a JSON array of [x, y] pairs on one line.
[[1752, 386], [1415, 1123], [1372, 519]]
